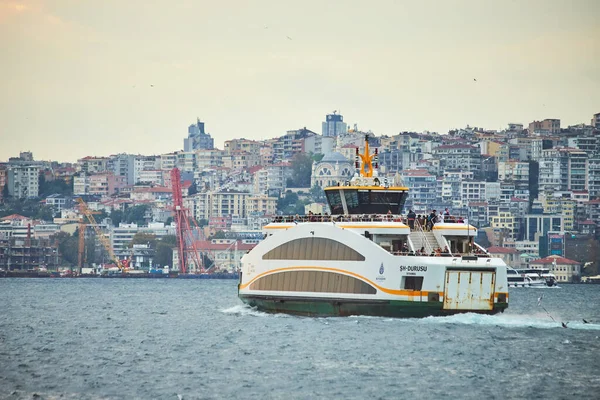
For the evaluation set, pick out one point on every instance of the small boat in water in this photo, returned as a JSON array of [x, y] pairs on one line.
[[367, 259], [530, 277]]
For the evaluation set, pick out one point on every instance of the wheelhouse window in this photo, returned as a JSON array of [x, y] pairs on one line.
[[364, 201], [335, 202]]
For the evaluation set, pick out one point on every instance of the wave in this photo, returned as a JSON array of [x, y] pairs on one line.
[[510, 321], [244, 310]]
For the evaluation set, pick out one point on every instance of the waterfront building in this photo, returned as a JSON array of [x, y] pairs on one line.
[[509, 255], [564, 269]]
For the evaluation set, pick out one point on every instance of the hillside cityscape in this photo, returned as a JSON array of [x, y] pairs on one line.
[[532, 190]]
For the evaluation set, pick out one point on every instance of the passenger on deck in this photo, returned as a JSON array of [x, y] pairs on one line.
[[411, 219], [422, 251], [446, 252]]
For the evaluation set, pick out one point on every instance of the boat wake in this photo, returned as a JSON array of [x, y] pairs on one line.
[[510, 321], [245, 310]]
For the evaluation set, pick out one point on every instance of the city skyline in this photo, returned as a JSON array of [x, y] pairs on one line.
[[98, 79]]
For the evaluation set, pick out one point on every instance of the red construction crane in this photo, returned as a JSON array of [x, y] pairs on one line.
[[186, 242]]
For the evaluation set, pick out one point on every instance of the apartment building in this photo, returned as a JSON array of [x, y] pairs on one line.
[[229, 202], [92, 165], [102, 184], [244, 145], [459, 156], [536, 225], [23, 181], [261, 205], [144, 163], [422, 188], [563, 169], [472, 191], [122, 165], [239, 160], [168, 161], [214, 158], [545, 127]]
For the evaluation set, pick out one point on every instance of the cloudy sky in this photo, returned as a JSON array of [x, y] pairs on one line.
[[84, 77]]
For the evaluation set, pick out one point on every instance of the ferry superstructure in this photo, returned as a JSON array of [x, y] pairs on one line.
[[362, 259]]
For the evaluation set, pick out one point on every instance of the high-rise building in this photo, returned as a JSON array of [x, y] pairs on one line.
[[334, 125], [198, 138]]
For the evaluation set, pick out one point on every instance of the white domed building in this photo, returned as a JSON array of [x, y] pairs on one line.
[[334, 168]]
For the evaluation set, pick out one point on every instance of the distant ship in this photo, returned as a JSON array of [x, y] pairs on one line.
[[366, 259]]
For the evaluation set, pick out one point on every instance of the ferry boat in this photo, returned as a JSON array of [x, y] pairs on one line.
[[531, 277], [366, 259]]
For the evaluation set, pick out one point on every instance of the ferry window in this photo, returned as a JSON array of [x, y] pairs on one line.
[[313, 248], [335, 201], [351, 199], [312, 281], [374, 202], [413, 282]]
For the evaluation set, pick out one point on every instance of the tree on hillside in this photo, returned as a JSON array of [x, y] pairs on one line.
[[317, 194], [317, 156], [68, 247], [301, 170], [56, 186], [5, 194], [164, 250], [136, 214], [117, 217]]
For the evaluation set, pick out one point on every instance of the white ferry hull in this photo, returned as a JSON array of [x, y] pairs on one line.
[[282, 275]]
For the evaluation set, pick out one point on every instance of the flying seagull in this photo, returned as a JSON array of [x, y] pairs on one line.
[[540, 300], [585, 322], [289, 37], [564, 325], [151, 85], [475, 79]]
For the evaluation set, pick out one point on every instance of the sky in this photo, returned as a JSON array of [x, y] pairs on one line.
[[82, 77]]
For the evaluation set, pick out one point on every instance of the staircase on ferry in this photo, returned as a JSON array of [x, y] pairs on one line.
[[420, 238]]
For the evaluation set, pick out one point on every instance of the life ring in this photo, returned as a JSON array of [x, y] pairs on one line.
[[376, 181]]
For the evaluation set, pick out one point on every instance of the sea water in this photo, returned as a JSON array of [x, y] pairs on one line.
[[193, 339]]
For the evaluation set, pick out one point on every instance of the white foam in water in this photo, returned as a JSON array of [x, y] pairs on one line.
[[244, 309], [509, 321]]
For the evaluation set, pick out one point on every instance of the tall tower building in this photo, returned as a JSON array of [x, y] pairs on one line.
[[197, 138], [334, 125]]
